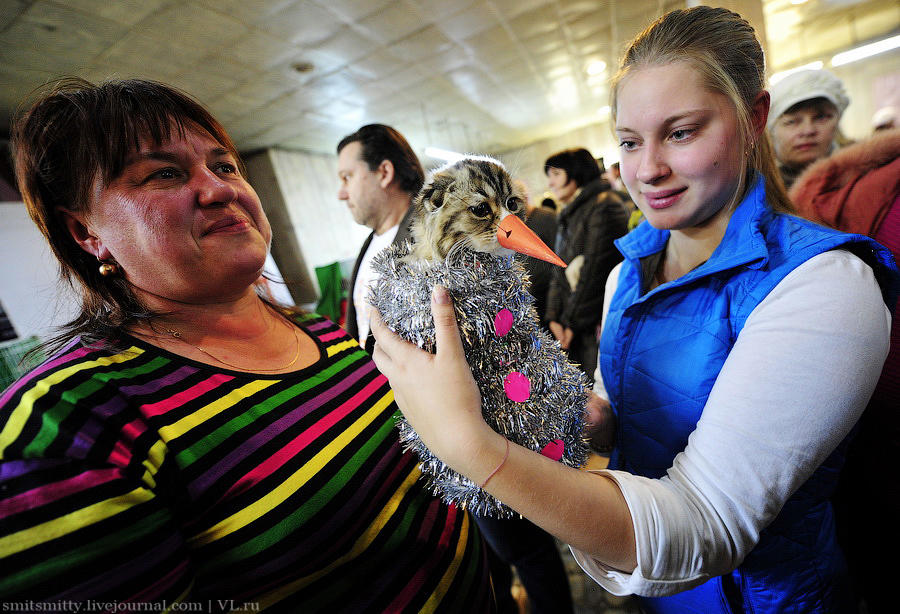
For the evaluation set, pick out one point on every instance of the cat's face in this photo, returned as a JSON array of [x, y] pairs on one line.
[[463, 203]]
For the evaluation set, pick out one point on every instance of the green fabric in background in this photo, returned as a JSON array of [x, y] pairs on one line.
[[331, 286], [13, 360]]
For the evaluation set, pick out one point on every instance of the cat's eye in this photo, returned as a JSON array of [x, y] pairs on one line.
[[481, 209], [512, 205]]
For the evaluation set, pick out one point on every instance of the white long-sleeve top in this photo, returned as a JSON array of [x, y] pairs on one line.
[[796, 381]]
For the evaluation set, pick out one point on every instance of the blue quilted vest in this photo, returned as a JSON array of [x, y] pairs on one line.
[[695, 320]]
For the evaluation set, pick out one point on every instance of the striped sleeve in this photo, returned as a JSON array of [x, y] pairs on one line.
[[79, 517]]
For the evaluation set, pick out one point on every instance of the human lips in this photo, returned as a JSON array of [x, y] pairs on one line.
[[231, 223], [663, 198]]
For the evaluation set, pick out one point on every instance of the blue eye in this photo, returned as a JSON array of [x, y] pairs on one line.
[[682, 134]]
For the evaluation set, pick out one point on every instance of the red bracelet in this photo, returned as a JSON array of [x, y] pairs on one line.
[[503, 462]]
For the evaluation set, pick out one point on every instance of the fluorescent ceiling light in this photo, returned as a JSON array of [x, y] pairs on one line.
[[775, 78], [596, 67], [865, 51], [443, 154]]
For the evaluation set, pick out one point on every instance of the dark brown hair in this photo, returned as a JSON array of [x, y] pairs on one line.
[[75, 137], [579, 164], [379, 143]]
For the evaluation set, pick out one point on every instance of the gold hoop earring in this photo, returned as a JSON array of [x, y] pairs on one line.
[[108, 269]]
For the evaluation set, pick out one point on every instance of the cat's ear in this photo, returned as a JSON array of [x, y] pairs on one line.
[[432, 195], [431, 198]]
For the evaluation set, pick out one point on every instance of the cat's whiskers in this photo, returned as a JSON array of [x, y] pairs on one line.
[[465, 242]]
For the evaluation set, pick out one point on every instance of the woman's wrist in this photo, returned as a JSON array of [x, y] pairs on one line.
[[498, 467], [481, 457]]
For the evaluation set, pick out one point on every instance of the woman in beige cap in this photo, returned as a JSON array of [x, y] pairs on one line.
[[803, 121]]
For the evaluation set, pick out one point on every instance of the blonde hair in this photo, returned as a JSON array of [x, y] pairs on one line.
[[722, 46]]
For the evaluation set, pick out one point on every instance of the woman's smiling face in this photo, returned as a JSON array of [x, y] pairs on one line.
[[180, 220], [681, 158]]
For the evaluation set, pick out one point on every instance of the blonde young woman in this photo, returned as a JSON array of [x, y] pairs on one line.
[[740, 346]]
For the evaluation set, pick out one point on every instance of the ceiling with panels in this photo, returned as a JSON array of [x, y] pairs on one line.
[[468, 75]]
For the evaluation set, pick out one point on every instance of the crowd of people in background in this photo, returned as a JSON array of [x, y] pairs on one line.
[[728, 293]]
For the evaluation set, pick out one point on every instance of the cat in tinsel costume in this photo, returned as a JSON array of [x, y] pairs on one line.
[[468, 222]]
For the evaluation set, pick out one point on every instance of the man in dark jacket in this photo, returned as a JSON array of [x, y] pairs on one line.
[[592, 218], [379, 174]]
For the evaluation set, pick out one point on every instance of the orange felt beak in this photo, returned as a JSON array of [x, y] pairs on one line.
[[515, 235]]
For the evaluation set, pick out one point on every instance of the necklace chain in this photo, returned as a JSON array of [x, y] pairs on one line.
[[177, 335]]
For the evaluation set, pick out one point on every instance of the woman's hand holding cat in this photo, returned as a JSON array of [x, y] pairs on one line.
[[439, 397], [437, 393]]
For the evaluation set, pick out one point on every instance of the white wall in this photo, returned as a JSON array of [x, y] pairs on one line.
[[32, 297], [324, 228], [871, 84], [527, 163]]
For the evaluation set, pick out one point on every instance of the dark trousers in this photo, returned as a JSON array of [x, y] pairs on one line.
[[533, 552], [583, 350], [867, 506]]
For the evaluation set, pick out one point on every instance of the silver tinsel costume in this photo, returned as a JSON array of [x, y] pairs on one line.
[[511, 357]]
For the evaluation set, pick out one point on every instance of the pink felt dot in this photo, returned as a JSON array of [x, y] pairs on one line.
[[517, 387], [554, 450], [503, 322]]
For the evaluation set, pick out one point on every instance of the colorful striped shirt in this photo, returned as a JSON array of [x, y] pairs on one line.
[[143, 477]]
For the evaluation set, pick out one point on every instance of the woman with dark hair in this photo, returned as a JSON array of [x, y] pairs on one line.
[[593, 216], [191, 444], [580, 168]]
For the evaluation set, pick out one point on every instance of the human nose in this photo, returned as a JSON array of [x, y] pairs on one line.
[[213, 190], [651, 167], [342, 193], [808, 126]]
